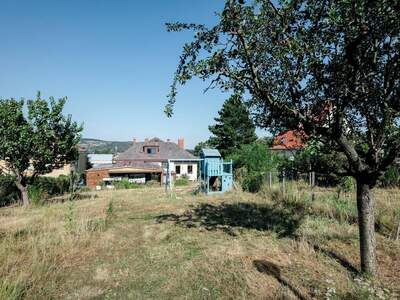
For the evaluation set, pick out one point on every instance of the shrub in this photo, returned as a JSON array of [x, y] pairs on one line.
[[124, 184], [391, 177], [182, 181], [39, 189], [36, 195], [8, 190], [251, 163], [253, 182]]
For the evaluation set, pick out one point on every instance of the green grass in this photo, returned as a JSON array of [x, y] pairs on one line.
[[142, 244]]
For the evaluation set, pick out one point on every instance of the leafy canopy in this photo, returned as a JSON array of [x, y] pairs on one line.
[[330, 68], [36, 135]]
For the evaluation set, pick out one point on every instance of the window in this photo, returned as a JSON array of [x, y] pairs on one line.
[[151, 150], [178, 169], [190, 169]]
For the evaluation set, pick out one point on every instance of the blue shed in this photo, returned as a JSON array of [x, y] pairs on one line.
[[216, 175]]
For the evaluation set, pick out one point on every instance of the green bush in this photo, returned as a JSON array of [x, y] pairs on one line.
[[252, 163], [391, 178], [38, 190], [182, 181], [8, 190], [253, 182], [36, 195], [124, 184]]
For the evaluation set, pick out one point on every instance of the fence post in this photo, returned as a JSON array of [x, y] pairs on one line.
[[270, 179], [312, 186]]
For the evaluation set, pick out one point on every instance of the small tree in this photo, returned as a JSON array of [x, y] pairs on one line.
[[234, 127], [199, 146], [331, 68], [253, 162], [35, 142]]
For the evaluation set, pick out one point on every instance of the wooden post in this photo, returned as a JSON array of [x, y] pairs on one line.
[[312, 186], [270, 180]]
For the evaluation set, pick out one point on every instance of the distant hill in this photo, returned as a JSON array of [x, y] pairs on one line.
[[105, 147]]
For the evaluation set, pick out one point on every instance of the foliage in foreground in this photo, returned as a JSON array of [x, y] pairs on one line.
[[40, 189], [330, 69], [37, 136]]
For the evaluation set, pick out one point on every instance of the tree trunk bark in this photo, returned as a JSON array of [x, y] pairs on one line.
[[366, 225], [24, 192]]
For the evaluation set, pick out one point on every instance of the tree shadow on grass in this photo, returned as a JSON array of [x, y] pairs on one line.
[[339, 258], [272, 269], [283, 220]]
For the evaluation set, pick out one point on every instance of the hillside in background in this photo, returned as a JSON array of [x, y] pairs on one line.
[[108, 147], [105, 147]]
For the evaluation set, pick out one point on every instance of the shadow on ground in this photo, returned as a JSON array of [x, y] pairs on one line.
[[227, 216], [272, 269]]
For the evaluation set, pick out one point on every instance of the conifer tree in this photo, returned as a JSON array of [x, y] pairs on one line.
[[233, 127]]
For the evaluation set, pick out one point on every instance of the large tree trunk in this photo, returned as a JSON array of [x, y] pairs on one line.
[[366, 225], [24, 192]]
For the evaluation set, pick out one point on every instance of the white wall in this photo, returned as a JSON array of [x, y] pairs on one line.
[[184, 170]]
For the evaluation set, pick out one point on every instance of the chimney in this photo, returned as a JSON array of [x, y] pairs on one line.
[[181, 143]]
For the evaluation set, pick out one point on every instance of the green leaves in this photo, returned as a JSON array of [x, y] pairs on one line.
[[292, 61], [42, 137]]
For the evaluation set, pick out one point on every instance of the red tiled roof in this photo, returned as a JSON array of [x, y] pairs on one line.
[[288, 140]]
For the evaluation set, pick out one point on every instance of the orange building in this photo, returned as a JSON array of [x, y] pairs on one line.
[[289, 140]]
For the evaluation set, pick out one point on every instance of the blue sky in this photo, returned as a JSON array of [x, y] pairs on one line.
[[114, 60]]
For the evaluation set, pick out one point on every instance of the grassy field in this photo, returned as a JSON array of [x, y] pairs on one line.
[[140, 244]]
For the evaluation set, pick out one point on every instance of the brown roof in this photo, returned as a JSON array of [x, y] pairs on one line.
[[165, 151], [288, 140], [147, 166]]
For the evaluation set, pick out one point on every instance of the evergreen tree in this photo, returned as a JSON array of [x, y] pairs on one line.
[[233, 127]]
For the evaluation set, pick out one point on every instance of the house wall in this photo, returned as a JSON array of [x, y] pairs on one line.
[[184, 170], [65, 170], [95, 177]]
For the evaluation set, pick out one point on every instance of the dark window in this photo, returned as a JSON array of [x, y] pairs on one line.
[[151, 150], [178, 169], [190, 169]]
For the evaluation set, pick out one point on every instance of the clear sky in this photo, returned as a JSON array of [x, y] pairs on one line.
[[114, 60]]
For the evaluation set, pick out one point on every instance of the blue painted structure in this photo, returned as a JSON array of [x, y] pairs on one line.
[[216, 175]]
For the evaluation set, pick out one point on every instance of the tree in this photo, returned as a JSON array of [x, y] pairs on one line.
[[330, 68], [199, 146], [233, 127], [38, 141]]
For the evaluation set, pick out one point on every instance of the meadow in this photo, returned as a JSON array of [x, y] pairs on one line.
[[144, 244]]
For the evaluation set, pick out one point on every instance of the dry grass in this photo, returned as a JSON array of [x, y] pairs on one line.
[[145, 245]]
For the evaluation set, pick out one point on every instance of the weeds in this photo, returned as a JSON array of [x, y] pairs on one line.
[[113, 247], [12, 291], [69, 218], [36, 195]]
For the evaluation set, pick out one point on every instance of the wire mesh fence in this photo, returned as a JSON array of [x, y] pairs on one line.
[[311, 183]]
